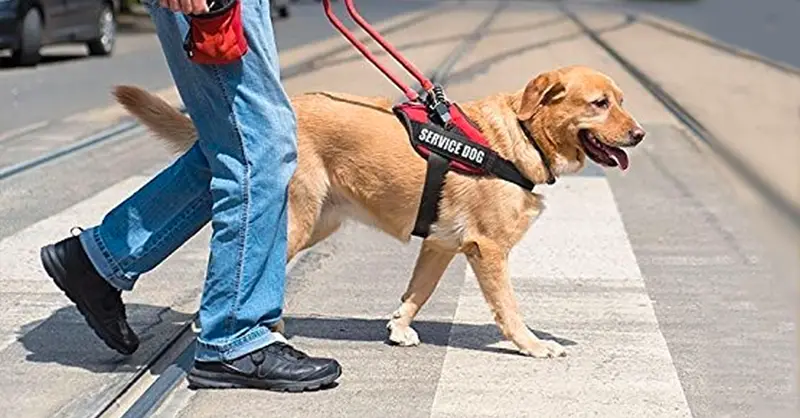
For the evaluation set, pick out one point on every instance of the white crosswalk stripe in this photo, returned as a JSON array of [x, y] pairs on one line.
[[48, 354], [20, 251], [21, 271], [576, 277], [574, 273]]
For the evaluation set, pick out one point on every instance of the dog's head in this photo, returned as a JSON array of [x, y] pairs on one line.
[[578, 112]]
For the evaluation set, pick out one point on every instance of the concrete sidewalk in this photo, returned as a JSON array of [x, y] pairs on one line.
[[662, 294]]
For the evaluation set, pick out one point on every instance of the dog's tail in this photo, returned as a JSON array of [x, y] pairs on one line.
[[176, 129]]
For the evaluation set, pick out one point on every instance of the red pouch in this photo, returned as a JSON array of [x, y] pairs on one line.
[[216, 37]]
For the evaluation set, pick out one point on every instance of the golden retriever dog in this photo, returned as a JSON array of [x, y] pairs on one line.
[[356, 162]]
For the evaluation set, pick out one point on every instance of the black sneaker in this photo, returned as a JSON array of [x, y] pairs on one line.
[[99, 302], [276, 367]]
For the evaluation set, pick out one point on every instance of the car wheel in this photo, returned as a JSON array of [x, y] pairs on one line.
[[283, 12], [107, 30], [30, 40]]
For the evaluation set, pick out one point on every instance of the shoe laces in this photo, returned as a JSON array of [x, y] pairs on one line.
[[114, 297], [286, 349]]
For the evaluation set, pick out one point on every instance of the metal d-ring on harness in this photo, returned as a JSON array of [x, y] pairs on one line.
[[439, 130]]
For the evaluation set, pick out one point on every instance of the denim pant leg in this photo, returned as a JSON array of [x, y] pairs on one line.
[[247, 134], [151, 224]]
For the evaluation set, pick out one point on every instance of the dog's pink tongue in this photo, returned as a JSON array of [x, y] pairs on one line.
[[620, 156]]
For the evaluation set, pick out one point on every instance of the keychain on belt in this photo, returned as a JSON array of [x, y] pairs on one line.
[[216, 37]]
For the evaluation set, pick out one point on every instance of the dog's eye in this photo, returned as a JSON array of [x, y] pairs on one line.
[[601, 103]]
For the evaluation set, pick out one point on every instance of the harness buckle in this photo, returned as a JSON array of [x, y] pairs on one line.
[[438, 105]]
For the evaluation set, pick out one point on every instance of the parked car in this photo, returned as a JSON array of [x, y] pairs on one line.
[[28, 25]]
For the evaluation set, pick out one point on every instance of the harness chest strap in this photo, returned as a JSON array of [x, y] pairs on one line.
[[460, 148]]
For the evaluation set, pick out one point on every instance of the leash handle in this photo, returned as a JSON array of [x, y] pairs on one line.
[[351, 9], [424, 81]]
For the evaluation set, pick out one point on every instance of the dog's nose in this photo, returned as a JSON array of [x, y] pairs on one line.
[[637, 135]]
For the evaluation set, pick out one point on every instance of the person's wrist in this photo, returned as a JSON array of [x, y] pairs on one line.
[[185, 6]]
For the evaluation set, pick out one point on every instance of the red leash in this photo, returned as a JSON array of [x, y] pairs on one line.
[[426, 84]]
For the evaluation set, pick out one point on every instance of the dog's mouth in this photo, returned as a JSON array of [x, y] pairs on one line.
[[601, 153]]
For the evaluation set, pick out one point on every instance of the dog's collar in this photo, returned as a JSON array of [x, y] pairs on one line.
[[545, 161]]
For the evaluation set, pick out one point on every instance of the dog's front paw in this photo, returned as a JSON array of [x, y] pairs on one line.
[[402, 335], [544, 349]]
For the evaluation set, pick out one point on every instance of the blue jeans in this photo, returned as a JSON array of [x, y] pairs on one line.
[[236, 176]]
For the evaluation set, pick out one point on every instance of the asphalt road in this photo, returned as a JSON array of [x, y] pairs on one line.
[[69, 82], [766, 27]]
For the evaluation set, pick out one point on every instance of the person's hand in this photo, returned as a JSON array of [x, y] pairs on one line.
[[185, 6]]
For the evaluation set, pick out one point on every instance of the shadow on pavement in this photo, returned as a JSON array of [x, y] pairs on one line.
[[469, 336], [5, 62], [66, 339]]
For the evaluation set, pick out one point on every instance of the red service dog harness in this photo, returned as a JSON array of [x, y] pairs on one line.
[[439, 130], [457, 145]]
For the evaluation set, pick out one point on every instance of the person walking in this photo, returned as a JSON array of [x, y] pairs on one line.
[[236, 176]]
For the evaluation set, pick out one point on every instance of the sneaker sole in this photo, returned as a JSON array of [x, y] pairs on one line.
[[56, 271], [199, 379]]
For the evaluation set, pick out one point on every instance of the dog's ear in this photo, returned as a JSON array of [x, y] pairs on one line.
[[540, 91]]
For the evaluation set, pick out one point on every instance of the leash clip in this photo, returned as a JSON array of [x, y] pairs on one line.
[[438, 105]]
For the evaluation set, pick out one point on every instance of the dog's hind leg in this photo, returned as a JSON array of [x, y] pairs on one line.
[[308, 200], [310, 221], [301, 224], [430, 266], [328, 222], [490, 264], [304, 232]]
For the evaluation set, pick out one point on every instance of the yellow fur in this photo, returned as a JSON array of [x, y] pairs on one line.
[[356, 161]]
